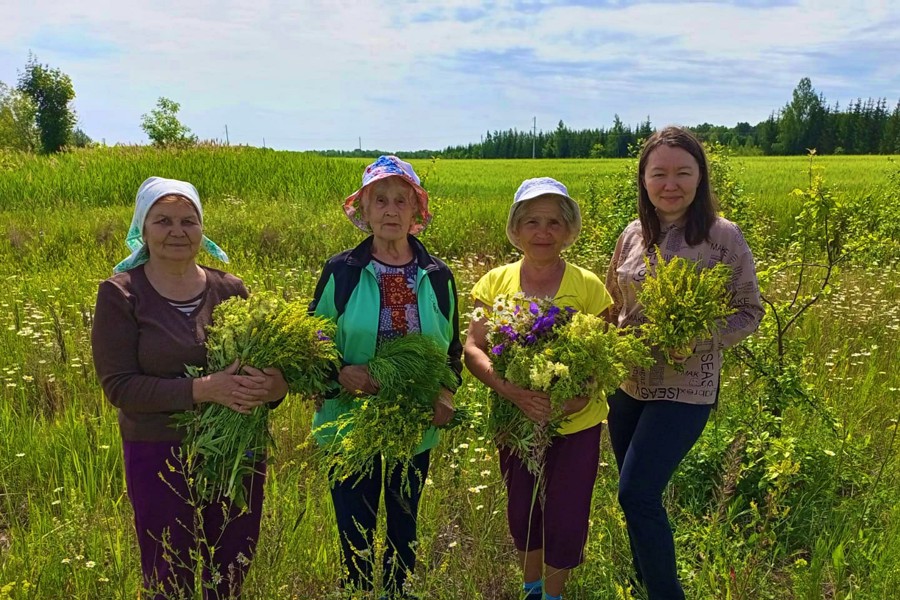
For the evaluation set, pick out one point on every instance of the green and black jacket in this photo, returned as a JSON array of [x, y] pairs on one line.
[[347, 293]]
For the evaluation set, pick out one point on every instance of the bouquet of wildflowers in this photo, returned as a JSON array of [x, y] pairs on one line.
[[410, 371], [683, 303], [221, 446], [564, 353]]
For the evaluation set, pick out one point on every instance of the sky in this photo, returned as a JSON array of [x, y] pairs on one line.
[[395, 75]]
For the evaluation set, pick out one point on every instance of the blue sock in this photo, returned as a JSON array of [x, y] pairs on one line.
[[549, 597], [534, 589]]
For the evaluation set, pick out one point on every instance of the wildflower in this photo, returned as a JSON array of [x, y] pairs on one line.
[[90, 564], [558, 351], [682, 303], [411, 371], [221, 445]]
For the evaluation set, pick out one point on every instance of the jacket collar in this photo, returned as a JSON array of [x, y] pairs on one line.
[[361, 256]]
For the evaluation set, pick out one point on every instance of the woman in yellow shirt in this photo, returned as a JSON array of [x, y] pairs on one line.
[[549, 532]]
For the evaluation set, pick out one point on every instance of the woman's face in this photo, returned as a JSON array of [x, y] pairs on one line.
[[671, 177], [389, 207], [542, 231], [172, 230]]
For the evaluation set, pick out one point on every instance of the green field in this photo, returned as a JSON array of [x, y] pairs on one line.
[[798, 504]]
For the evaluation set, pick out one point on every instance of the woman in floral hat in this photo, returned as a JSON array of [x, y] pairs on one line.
[[387, 286], [549, 532]]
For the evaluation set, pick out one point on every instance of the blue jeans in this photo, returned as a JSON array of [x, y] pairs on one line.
[[650, 439]]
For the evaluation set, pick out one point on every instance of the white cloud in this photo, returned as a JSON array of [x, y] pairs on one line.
[[405, 75]]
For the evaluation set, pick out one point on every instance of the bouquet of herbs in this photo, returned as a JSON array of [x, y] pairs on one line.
[[564, 353], [683, 303], [410, 371], [221, 446]]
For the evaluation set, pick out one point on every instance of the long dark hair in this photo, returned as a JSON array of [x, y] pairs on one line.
[[702, 211]]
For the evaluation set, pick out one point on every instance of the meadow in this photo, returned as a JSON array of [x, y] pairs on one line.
[[790, 494]]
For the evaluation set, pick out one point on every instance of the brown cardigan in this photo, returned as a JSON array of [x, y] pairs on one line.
[[141, 345]]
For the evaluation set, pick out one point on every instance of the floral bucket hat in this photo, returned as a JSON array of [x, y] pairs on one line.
[[383, 167]]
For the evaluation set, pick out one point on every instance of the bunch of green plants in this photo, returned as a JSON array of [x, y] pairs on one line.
[[564, 353], [587, 357], [683, 303], [410, 371], [222, 446]]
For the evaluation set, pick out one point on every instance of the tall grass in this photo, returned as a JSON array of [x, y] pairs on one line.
[[65, 521]]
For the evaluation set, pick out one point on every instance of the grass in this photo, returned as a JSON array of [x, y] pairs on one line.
[[826, 526]]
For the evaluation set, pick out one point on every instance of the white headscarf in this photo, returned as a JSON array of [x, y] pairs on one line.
[[150, 191]]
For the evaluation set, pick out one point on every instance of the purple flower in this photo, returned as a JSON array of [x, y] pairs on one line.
[[571, 310], [497, 350], [544, 324], [322, 337], [530, 339], [534, 309], [553, 311], [509, 332]]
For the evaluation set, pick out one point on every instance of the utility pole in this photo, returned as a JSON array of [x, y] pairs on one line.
[[264, 142], [533, 134], [227, 143], [359, 140]]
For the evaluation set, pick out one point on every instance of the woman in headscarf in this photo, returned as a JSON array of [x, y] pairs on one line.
[[150, 321]]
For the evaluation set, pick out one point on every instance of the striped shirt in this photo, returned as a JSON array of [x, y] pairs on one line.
[[187, 307]]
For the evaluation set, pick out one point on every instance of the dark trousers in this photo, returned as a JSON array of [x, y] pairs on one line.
[[650, 439], [170, 530], [559, 524], [356, 508]]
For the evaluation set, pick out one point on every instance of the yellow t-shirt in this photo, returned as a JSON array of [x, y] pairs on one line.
[[580, 289]]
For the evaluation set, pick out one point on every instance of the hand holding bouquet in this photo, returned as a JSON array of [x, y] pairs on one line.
[[683, 303], [410, 372], [561, 352], [221, 445]]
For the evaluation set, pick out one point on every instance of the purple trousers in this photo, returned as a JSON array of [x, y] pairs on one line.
[[559, 525], [172, 533]]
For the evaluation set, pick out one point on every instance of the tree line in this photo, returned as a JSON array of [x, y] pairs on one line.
[[806, 122], [37, 116]]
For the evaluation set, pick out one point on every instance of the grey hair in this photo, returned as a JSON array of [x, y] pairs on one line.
[[571, 216]]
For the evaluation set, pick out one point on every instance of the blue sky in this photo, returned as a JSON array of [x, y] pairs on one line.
[[315, 74]]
